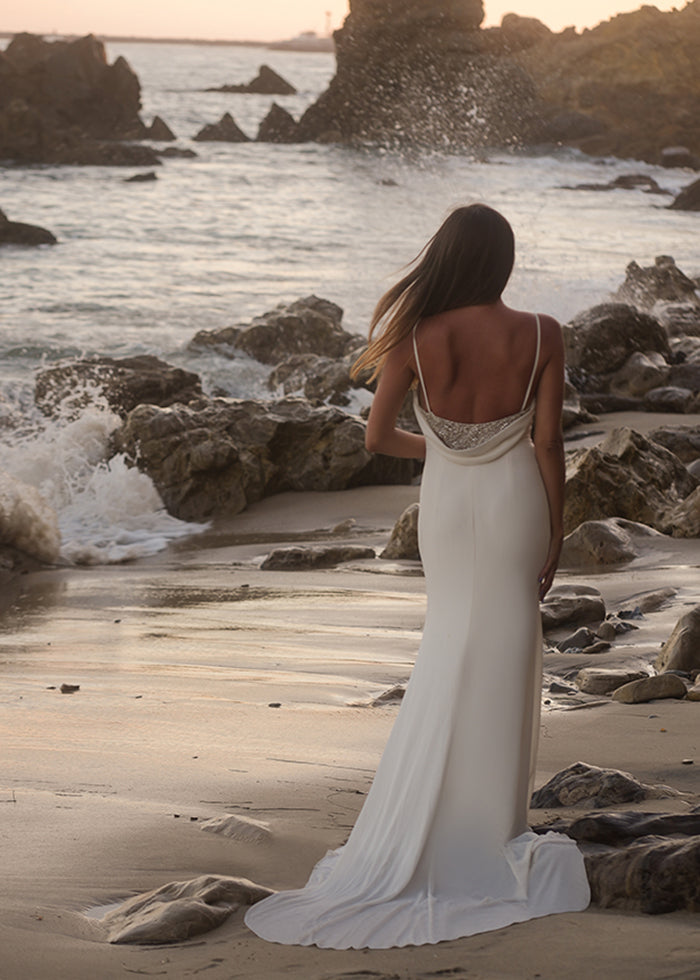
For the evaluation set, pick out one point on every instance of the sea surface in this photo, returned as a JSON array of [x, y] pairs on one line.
[[214, 241]]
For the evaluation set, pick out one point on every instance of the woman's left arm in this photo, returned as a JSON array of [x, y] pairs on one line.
[[382, 436]]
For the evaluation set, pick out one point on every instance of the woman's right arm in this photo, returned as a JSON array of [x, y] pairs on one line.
[[549, 444], [382, 436]]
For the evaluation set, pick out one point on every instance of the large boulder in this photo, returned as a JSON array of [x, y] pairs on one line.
[[625, 476], [663, 281], [123, 382], [420, 73], [599, 341], [633, 77], [19, 233], [599, 543], [306, 326], [278, 126], [216, 456], [320, 379], [61, 102], [681, 651], [583, 783]]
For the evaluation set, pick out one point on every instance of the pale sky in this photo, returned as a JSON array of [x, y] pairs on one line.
[[266, 20]]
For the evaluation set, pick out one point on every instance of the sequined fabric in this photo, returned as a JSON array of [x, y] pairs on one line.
[[467, 435]]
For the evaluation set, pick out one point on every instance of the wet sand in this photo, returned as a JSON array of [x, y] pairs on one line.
[[178, 659]]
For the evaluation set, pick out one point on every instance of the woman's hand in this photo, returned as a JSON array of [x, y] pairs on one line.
[[548, 570]]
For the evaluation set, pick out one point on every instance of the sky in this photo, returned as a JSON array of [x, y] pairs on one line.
[[267, 20]]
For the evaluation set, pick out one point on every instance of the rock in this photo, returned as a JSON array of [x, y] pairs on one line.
[[627, 182], [216, 456], [625, 826], [693, 693], [669, 399], [60, 102], [681, 651], [601, 680], [598, 543], [19, 233], [583, 783], [420, 74], [686, 375], [306, 326], [639, 374], [571, 605], [177, 152], [266, 82], [663, 281], [679, 319], [278, 126], [600, 404], [393, 695], [180, 910], [650, 689], [583, 637], [141, 178], [688, 199], [625, 476], [238, 828], [679, 156], [297, 558], [682, 440], [159, 131], [123, 382], [600, 340], [224, 131], [652, 601], [635, 107], [653, 876], [522, 32], [683, 520], [403, 542], [320, 379]]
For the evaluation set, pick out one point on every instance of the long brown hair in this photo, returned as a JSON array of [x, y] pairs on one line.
[[467, 262]]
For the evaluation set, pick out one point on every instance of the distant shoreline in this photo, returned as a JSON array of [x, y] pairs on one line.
[[122, 39]]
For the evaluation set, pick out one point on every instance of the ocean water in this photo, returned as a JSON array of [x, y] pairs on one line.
[[214, 241]]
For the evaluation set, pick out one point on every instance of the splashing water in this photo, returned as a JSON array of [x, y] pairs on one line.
[[61, 496]]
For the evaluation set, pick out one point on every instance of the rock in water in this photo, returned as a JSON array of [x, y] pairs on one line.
[[644, 287], [420, 73], [278, 126], [19, 233], [62, 103], [403, 542], [582, 783], [159, 131], [266, 82], [123, 382], [681, 651], [688, 199], [180, 910], [224, 131]]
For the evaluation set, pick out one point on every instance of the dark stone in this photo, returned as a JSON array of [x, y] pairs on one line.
[[266, 82], [60, 101], [177, 152], [159, 131], [600, 340], [298, 558], [679, 156], [19, 233], [224, 131], [669, 399], [142, 178], [688, 199], [124, 383], [278, 126]]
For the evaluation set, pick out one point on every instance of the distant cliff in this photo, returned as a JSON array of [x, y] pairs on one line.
[[424, 73]]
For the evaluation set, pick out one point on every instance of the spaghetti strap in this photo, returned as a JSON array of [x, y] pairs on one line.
[[420, 372], [534, 366]]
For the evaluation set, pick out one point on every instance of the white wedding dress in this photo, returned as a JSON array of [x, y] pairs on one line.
[[441, 848]]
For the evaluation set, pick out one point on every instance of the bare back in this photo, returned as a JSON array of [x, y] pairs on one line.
[[477, 362]]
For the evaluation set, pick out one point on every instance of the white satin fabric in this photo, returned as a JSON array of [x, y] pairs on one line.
[[441, 848]]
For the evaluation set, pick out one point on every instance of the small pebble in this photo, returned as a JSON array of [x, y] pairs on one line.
[[117, 620], [69, 688], [687, 762], [194, 818], [176, 815], [662, 729], [275, 704]]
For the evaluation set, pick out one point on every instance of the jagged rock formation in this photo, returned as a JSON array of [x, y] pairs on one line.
[[60, 102], [634, 79], [266, 82], [19, 233], [417, 72], [226, 130]]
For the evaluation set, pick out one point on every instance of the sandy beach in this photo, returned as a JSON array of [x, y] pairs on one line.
[[179, 660]]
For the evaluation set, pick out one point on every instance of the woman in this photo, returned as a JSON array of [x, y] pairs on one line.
[[441, 848]]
